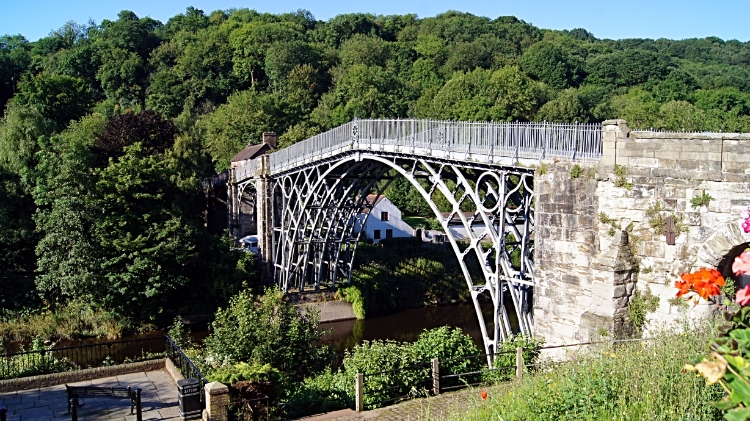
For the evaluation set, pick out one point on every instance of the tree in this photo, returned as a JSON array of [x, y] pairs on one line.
[[148, 128], [251, 42], [15, 58], [566, 108], [58, 97], [551, 64], [239, 122], [482, 95], [627, 68]]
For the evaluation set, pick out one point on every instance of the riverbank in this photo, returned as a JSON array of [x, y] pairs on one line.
[[76, 320]]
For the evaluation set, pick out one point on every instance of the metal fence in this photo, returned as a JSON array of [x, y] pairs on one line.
[[479, 141], [435, 377], [186, 367], [44, 361]]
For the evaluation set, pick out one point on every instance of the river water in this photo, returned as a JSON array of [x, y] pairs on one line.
[[404, 325]]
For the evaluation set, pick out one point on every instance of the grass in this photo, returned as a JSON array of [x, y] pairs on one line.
[[640, 380], [73, 321]]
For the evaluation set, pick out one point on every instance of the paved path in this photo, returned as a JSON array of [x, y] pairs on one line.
[[158, 399]]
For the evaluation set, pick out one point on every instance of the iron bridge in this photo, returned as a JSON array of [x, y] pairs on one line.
[[317, 190]]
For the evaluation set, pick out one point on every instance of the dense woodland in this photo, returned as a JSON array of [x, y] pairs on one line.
[[108, 129]]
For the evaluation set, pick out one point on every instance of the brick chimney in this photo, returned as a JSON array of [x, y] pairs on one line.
[[270, 138]]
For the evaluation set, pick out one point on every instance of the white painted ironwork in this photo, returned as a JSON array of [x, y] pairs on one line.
[[319, 186]]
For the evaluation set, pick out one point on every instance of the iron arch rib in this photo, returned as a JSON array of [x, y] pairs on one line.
[[316, 243]]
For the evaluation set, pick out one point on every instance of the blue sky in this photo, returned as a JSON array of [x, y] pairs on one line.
[[727, 19]]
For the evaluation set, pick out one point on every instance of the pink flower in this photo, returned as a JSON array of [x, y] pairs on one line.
[[745, 214], [746, 225], [743, 296], [741, 265]]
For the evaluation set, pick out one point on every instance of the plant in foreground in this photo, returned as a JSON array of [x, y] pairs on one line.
[[728, 363]]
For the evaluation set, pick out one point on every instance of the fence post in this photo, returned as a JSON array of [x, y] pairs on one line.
[[217, 399], [359, 392], [519, 362], [435, 376]]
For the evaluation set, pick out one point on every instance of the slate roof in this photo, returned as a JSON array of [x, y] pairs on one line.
[[252, 152], [370, 199]]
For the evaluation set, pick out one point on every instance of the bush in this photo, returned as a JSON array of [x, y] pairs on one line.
[[270, 331], [330, 391], [242, 372]]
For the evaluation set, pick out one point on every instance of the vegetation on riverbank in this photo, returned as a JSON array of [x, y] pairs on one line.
[[403, 275], [75, 320], [640, 380]]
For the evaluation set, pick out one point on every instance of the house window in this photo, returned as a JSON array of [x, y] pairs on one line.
[[388, 233], [383, 216], [376, 235]]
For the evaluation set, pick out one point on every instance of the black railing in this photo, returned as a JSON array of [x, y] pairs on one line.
[[186, 367], [52, 360], [250, 409]]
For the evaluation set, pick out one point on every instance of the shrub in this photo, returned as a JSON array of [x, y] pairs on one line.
[[270, 331], [330, 391]]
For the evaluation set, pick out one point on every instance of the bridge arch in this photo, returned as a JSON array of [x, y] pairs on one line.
[[315, 245]]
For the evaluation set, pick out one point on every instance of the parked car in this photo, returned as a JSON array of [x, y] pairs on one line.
[[249, 244]]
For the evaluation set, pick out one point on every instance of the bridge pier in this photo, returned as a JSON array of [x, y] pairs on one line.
[[586, 270], [264, 210]]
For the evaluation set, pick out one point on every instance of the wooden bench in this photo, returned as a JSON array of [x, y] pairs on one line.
[[78, 392]]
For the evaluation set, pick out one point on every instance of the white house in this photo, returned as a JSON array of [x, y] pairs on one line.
[[384, 221]]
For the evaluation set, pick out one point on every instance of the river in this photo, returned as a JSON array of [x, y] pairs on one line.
[[404, 325]]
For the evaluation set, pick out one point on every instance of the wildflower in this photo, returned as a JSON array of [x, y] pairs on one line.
[[741, 263], [484, 395]]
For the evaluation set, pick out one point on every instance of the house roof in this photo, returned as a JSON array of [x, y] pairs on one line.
[[252, 152], [370, 202]]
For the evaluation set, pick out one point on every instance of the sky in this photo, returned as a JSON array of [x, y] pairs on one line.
[[673, 19]]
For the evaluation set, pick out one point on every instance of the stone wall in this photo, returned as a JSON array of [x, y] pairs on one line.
[[36, 382], [586, 275]]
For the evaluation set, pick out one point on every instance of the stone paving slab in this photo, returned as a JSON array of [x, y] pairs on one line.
[[158, 400]]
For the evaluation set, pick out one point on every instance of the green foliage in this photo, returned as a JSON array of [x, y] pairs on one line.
[[728, 363], [542, 169], [575, 172], [628, 381], [270, 331], [606, 220], [243, 371], [385, 278], [640, 304], [334, 390], [702, 200], [553, 65], [180, 334], [77, 319], [240, 122], [621, 181], [58, 97], [34, 364]]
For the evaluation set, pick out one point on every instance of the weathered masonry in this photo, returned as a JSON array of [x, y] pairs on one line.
[[602, 235], [601, 215]]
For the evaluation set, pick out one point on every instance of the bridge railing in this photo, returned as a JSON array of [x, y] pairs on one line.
[[479, 141]]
